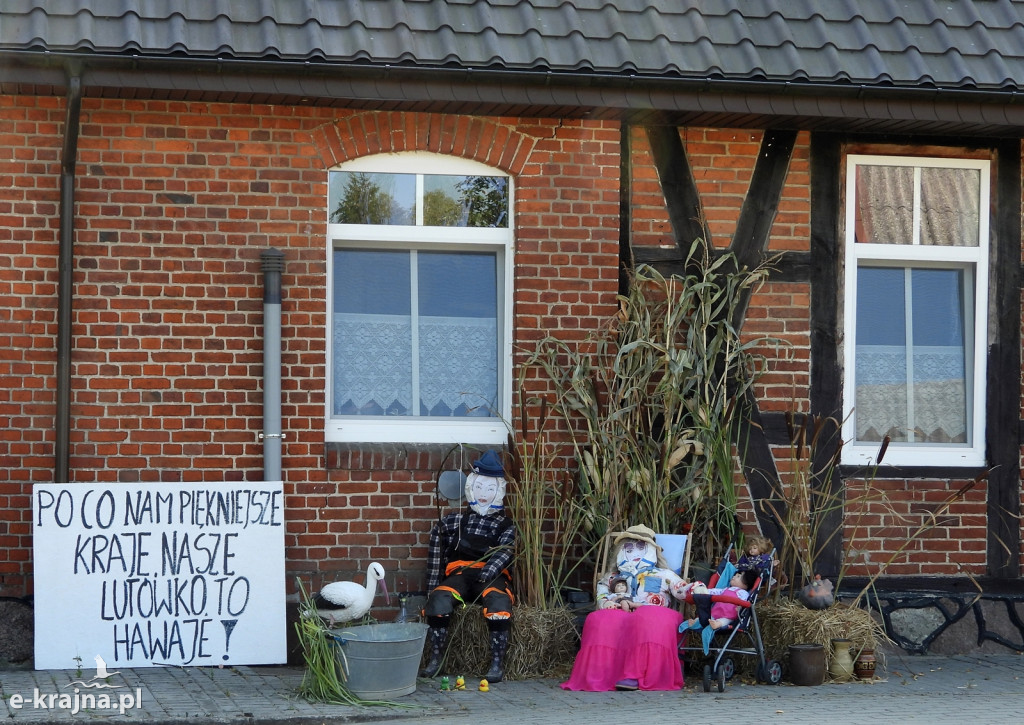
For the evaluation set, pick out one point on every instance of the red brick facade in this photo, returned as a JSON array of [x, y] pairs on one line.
[[175, 203]]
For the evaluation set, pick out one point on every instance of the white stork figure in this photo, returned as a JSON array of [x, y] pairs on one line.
[[101, 669], [348, 601]]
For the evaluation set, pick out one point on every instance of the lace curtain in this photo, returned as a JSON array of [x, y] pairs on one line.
[[939, 394], [373, 366]]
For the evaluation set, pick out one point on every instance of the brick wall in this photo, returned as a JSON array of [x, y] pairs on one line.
[[175, 203], [909, 517], [29, 166]]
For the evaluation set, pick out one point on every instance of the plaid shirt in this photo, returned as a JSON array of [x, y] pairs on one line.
[[447, 532]]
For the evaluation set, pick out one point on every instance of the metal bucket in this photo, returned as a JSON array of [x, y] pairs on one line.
[[381, 660]]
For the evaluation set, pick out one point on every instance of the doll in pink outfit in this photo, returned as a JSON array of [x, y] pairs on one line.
[[722, 613]]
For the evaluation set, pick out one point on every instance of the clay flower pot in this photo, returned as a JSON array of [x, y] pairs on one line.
[[864, 665]]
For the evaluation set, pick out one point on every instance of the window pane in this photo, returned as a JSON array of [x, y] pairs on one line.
[[465, 201], [458, 333], [371, 282], [365, 198], [911, 347], [372, 340], [885, 205], [439, 349], [950, 200]]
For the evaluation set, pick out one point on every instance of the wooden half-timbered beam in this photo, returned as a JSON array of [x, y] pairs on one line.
[[1004, 361], [760, 205], [750, 246], [626, 257], [682, 201], [826, 379]]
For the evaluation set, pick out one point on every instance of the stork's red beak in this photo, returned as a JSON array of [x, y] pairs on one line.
[[384, 588]]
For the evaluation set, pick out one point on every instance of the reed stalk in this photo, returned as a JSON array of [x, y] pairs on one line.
[[806, 499]]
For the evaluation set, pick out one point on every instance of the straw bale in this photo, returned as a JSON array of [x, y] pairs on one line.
[[786, 621], [543, 643]]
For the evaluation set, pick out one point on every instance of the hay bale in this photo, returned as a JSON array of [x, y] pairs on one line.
[[786, 621], [543, 643]]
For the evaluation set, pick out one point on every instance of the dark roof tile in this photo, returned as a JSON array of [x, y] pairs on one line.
[[947, 44]]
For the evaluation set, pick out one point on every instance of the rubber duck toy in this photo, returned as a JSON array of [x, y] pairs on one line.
[[460, 683], [444, 683], [484, 686]]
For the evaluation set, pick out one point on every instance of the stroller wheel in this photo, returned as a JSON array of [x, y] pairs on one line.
[[770, 672], [729, 667], [721, 679], [707, 678]]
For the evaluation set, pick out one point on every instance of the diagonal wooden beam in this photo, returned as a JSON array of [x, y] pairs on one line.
[[753, 228], [760, 472], [750, 245], [682, 201]]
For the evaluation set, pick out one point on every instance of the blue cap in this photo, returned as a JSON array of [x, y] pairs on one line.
[[489, 465]]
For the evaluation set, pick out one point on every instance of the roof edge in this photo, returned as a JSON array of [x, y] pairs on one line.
[[541, 93]]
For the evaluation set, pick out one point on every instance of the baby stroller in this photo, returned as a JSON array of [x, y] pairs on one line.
[[719, 666]]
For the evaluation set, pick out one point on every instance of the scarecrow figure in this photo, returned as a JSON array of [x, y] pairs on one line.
[[468, 559]]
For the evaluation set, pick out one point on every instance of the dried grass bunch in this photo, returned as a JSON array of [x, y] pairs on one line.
[[543, 643], [650, 403]]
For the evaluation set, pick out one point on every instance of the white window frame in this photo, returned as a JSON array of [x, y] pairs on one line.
[[974, 258], [416, 429]]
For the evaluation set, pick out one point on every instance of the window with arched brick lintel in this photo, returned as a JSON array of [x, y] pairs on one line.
[[487, 141], [419, 299]]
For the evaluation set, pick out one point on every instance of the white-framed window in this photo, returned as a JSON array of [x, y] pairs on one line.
[[915, 303], [419, 295]]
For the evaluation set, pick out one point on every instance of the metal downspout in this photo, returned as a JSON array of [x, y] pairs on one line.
[[273, 265], [65, 281]]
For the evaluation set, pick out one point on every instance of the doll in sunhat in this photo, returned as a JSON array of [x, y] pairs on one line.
[[643, 637]]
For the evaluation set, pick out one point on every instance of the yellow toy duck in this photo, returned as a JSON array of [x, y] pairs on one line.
[[484, 686], [460, 683]]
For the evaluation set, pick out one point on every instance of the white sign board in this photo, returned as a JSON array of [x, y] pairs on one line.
[[164, 573]]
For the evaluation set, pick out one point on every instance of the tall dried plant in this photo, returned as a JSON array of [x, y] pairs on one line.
[[651, 402], [550, 545]]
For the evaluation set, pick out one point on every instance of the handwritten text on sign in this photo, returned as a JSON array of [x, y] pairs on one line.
[[163, 573]]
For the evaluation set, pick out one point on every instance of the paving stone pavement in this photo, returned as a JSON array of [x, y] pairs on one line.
[[986, 689]]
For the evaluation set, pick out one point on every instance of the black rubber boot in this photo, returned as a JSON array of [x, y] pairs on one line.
[[436, 638], [499, 645]]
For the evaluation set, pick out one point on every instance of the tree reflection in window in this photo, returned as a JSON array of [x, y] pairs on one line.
[[368, 198], [447, 200], [465, 201]]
